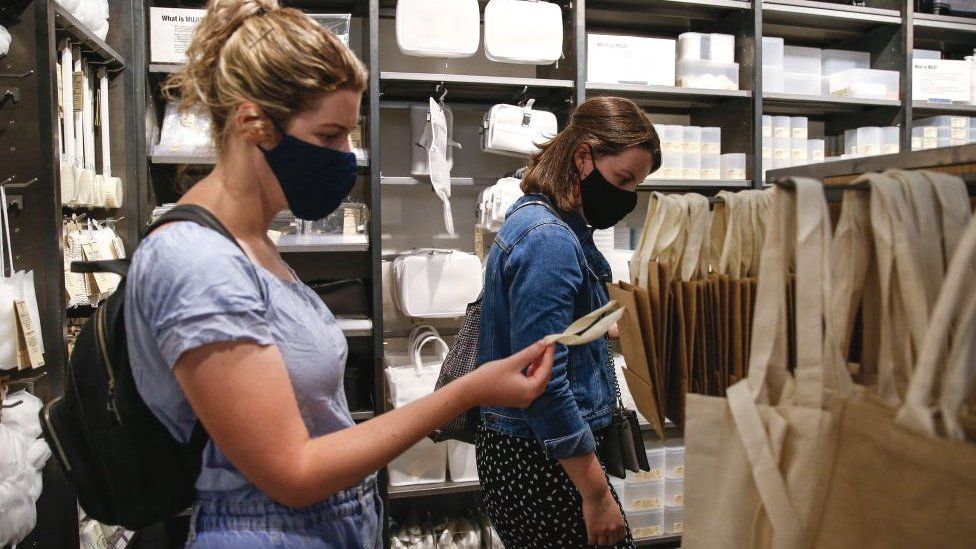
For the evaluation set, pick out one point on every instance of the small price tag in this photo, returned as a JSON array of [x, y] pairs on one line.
[[679, 500], [647, 532], [119, 248], [28, 342], [78, 81], [679, 471], [679, 527], [648, 503], [479, 242], [103, 282], [653, 474]]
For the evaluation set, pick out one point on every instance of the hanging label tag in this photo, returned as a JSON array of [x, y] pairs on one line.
[[78, 79], [28, 342], [479, 242], [119, 247], [103, 282]]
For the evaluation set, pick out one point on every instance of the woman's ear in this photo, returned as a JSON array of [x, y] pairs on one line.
[[583, 160], [255, 126]]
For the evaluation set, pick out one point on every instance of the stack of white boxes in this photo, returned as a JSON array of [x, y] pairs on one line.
[[695, 153], [813, 71], [707, 61], [786, 142], [643, 497], [943, 131], [674, 487], [871, 141]]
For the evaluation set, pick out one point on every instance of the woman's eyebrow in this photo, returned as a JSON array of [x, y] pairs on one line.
[[333, 125]]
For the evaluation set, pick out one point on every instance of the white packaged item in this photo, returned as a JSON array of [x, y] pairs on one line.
[[926, 54], [440, 167], [773, 52], [434, 283], [69, 163], [799, 127], [773, 79], [719, 48], [767, 125], [734, 166], [670, 136], [691, 165], [833, 61], [711, 139], [798, 152], [692, 73], [781, 149], [525, 32], [637, 60], [803, 60], [421, 137], [890, 140], [424, 463], [674, 459], [711, 166], [942, 80], [674, 521], [767, 147], [513, 130], [869, 140], [691, 139], [170, 32], [495, 202], [781, 126], [5, 40], [642, 494], [461, 461], [646, 524], [815, 150], [801, 84], [438, 28], [672, 163], [865, 84], [952, 122], [185, 134], [113, 191]]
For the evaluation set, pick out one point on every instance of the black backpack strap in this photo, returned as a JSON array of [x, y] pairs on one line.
[[194, 214]]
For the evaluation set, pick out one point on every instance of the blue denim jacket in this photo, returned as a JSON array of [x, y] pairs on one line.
[[544, 272]]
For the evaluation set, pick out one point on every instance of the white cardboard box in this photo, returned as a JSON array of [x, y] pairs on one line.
[[941, 80], [170, 32], [630, 60]]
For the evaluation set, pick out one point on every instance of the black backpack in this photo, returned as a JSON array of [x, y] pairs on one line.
[[123, 463]]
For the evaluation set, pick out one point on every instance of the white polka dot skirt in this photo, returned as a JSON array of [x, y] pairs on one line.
[[532, 502]]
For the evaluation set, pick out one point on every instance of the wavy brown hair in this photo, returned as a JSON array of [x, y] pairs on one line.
[[255, 50], [609, 125]]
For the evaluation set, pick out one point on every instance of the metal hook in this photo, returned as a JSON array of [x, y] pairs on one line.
[[441, 92], [16, 75], [521, 97], [8, 183]]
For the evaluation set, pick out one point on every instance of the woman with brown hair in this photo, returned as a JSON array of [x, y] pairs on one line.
[[543, 485], [223, 332]]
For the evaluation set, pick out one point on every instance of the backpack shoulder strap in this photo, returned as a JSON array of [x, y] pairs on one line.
[[194, 214]]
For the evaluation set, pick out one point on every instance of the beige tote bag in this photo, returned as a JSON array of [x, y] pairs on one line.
[[752, 460], [899, 483]]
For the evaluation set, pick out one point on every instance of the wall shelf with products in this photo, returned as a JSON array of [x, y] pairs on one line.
[[68, 24], [694, 184]]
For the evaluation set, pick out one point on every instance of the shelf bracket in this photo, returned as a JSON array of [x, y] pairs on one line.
[[17, 75]]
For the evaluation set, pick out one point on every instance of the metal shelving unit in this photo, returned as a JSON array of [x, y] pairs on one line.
[[432, 490], [663, 541], [69, 25], [715, 184], [321, 243], [932, 109]]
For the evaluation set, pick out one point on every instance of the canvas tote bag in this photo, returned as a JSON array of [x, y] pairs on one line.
[[753, 459], [896, 481]]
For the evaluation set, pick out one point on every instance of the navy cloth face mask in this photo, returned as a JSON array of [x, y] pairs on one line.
[[604, 204], [314, 179]]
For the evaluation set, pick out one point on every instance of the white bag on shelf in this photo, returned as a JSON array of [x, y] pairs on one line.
[[527, 32], [496, 200], [421, 136], [19, 286], [432, 283], [438, 28], [461, 461], [513, 130]]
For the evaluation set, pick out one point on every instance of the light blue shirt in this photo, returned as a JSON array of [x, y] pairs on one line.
[[189, 286]]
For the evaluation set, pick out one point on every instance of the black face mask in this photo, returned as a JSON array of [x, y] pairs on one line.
[[604, 204]]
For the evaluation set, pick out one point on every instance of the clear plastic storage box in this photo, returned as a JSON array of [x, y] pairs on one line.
[[711, 140], [718, 48], [815, 150], [781, 126], [803, 60], [655, 461], [461, 461], [834, 61], [802, 84], [691, 138], [865, 84], [674, 520], [674, 492], [890, 140], [674, 459], [711, 166], [640, 495], [734, 166], [767, 125], [798, 152], [645, 524], [691, 165], [424, 463], [692, 73], [799, 127], [773, 80], [773, 52]]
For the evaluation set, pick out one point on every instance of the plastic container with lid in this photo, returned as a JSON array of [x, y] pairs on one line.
[[655, 461], [802, 84], [890, 140], [803, 60], [865, 84], [781, 148], [646, 524], [691, 138], [694, 73], [711, 166], [799, 127], [815, 150], [841, 60], [674, 459], [773, 80], [798, 152], [781, 126], [424, 463], [691, 165], [869, 140], [672, 164], [640, 495], [670, 136], [767, 147], [719, 48], [674, 520], [674, 492], [767, 125], [772, 52], [734, 166], [711, 140]]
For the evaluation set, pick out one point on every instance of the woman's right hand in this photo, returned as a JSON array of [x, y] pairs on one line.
[[515, 381], [605, 526]]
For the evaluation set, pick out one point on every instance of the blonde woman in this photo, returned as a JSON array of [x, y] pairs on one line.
[[543, 483], [231, 337]]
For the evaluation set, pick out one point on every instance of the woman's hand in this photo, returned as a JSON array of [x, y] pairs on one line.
[[605, 524], [514, 381]]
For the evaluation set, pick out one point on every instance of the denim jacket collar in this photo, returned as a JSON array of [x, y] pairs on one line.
[[573, 219]]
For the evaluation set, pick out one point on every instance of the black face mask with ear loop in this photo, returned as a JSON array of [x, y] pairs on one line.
[[604, 204]]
